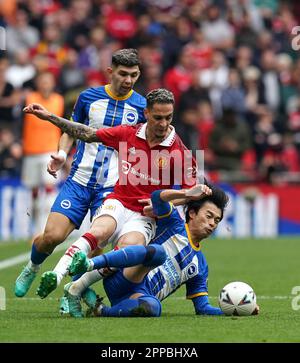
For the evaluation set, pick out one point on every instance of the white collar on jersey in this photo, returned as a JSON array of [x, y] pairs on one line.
[[141, 133]]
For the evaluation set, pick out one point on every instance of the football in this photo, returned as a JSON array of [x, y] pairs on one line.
[[237, 298]]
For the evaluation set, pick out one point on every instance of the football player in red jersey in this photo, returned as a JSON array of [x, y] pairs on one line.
[[151, 157]]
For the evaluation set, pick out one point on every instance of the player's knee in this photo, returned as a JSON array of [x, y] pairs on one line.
[[155, 256], [101, 233], [149, 306], [130, 240]]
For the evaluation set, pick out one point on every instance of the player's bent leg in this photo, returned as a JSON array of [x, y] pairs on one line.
[[143, 306], [101, 230], [149, 256], [58, 227], [156, 256], [131, 238]]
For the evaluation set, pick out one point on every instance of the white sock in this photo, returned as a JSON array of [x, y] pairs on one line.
[[62, 268], [33, 267], [86, 280]]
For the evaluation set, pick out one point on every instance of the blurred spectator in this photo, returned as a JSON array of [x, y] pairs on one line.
[[40, 139], [10, 155], [178, 34], [90, 56], [194, 94], [270, 80], [200, 50], [246, 35], [119, 22], [178, 79], [233, 96], [229, 140], [240, 7], [188, 128], [265, 133], [20, 34], [254, 94], [70, 76], [22, 70], [82, 21], [9, 99], [243, 58], [217, 31], [52, 47], [216, 79]]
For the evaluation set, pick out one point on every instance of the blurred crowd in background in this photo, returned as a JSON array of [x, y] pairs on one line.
[[230, 65]]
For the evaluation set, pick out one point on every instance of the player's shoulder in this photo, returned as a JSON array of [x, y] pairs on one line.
[[138, 99], [92, 93]]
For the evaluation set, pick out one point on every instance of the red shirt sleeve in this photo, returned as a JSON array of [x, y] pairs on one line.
[[112, 136]]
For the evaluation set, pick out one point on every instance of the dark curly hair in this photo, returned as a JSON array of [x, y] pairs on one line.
[[159, 95], [218, 197], [126, 57]]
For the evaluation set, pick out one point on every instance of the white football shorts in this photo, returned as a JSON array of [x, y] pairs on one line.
[[127, 221]]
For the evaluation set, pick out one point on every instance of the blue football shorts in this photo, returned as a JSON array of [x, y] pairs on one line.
[[75, 200], [118, 288]]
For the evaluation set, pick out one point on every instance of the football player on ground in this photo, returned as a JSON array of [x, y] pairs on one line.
[[173, 258]]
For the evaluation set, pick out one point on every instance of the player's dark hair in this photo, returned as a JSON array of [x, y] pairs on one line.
[[126, 57], [159, 95], [218, 197]]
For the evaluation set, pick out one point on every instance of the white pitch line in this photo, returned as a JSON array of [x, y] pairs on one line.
[[24, 257]]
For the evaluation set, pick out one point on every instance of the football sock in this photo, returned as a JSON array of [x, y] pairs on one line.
[[37, 258], [153, 255], [85, 243], [81, 284]]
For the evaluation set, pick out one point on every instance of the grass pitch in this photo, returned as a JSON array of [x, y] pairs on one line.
[[270, 266]]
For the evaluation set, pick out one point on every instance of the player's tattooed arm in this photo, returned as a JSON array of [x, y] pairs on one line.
[[74, 129]]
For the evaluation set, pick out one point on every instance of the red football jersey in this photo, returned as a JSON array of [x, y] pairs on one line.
[[142, 169]]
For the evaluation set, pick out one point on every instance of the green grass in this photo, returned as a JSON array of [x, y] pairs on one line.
[[271, 267]]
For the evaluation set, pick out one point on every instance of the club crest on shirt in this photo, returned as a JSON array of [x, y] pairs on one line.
[[161, 162], [192, 270], [130, 117]]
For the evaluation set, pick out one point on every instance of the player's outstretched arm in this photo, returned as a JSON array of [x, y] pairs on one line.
[[74, 129], [184, 195], [203, 307]]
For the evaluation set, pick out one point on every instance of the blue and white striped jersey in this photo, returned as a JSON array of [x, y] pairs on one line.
[[95, 165], [185, 263]]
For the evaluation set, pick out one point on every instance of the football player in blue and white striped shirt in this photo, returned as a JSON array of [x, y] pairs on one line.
[[173, 258], [94, 169]]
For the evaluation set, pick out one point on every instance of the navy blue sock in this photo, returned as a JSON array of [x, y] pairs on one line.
[[144, 306], [152, 256], [38, 257]]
